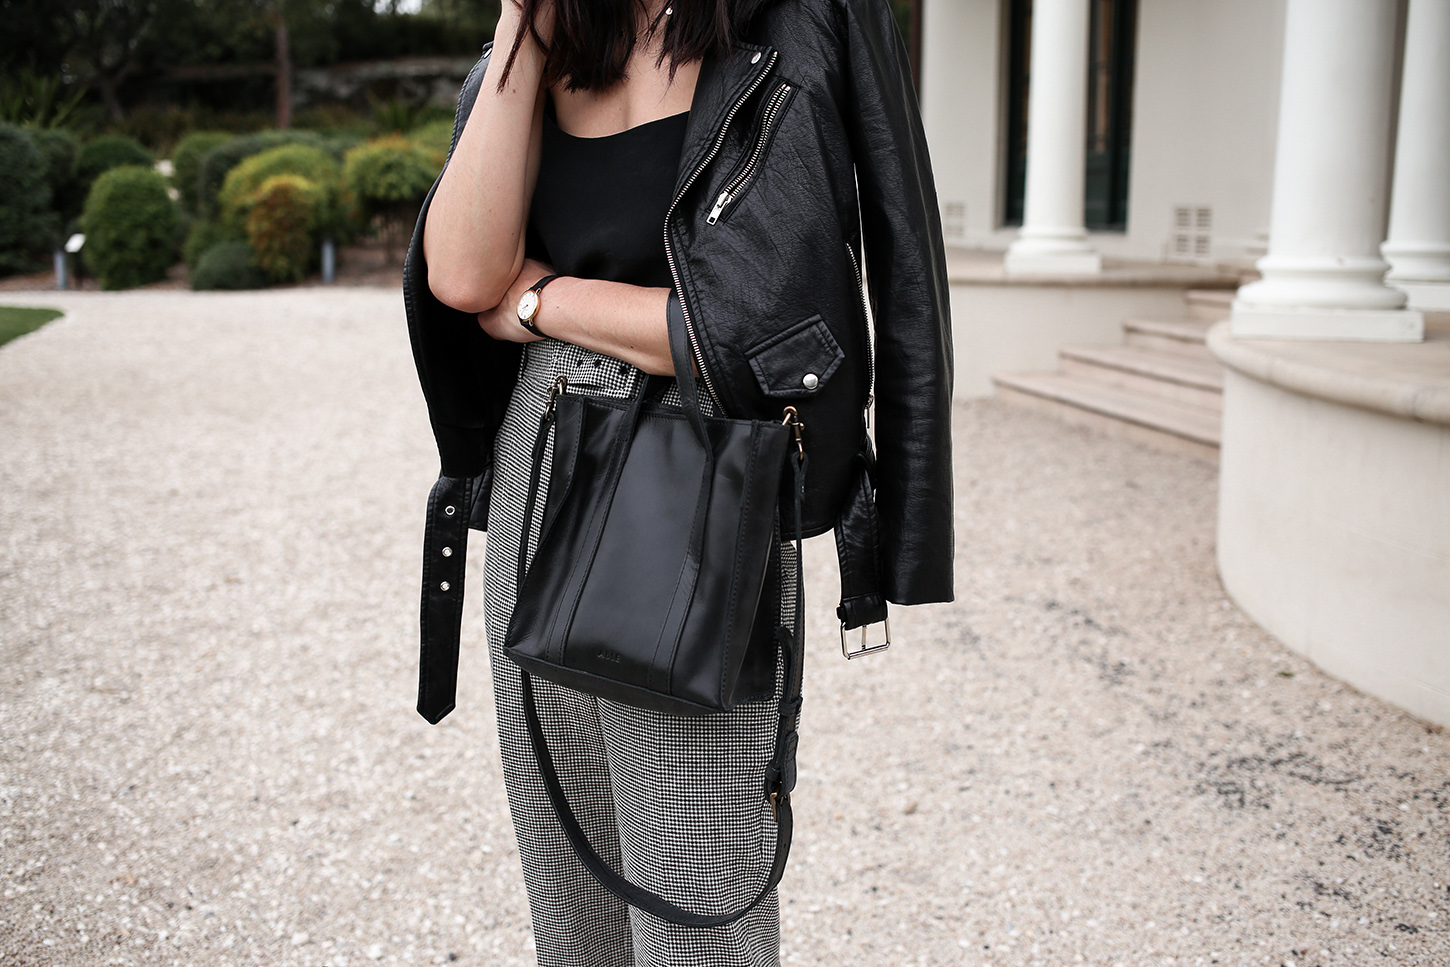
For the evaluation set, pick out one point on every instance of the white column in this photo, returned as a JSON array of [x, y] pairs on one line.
[[1323, 277], [1418, 249], [1052, 238]]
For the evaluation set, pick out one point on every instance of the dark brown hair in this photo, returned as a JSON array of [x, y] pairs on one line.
[[593, 39]]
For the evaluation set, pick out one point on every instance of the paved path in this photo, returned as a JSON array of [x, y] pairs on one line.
[[212, 510]]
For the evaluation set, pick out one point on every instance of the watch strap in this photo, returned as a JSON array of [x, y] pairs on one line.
[[537, 288]]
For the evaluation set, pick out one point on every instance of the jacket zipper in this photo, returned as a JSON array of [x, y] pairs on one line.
[[670, 212], [733, 187], [870, 349]]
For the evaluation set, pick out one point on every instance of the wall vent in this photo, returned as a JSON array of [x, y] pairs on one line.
[[954, 219], [1192, 237]]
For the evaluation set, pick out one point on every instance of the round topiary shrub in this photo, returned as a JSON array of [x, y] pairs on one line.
[[228, 265], [60, 149], [219, 162], [130, 223], [386, 180], [239, 192], [282, 225], [186, 163], [100, 155], [26, 224]]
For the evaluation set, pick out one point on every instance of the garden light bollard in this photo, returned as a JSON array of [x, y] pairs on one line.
[[329, 261], [62, 259]]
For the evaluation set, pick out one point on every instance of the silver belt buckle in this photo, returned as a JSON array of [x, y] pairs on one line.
[[865, 649]]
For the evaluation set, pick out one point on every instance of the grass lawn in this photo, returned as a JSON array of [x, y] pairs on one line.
[[17, 321]]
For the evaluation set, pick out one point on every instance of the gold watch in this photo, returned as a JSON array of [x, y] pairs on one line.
[[529, 303]]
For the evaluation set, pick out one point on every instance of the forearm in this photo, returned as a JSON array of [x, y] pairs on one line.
[[473, 240], [614, 318]]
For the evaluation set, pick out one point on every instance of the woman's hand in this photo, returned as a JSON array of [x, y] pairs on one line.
[[502, 321]]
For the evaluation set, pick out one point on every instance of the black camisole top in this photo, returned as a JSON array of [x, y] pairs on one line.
[[598, 209]]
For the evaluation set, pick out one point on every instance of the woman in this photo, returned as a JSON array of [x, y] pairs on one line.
[[539, 254]]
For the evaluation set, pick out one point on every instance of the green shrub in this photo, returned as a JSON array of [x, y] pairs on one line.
[[186, 163], [60, 150], [130, 223], [37, 101], [27, 227], [282, 226], [203, 234], [339, 143], [106, 152], [238, 193], [435, 137], [219, 162], [228, 265], [386, 181]]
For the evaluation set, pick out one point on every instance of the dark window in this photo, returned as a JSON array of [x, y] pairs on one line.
[[1109, 112], [1019, 72]]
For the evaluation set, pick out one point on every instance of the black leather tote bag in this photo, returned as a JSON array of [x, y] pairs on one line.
[[653, 550]]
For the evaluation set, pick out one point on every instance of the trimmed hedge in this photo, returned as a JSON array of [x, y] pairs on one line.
[[286, 211], [130, 223], [239, 192], [186, 161], [27, 226], [386, 180], [219, 162], [228, 265], [109, 151]]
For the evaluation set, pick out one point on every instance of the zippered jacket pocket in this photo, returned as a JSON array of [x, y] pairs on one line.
[[744, 174]]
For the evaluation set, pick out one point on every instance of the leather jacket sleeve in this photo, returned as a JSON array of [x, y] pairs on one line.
[[458, 364], [907, 284]]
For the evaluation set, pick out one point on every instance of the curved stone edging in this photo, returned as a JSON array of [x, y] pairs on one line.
[[1407, 380]]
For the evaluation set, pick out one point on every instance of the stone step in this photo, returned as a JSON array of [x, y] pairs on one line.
[[1171, 376], [1184, 337], [1210, 305], [1161, 422]]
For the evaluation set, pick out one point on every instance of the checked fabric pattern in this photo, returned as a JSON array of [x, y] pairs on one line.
[[674, 803]]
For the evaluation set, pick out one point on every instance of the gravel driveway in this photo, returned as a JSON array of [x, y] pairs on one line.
[[212, 513]]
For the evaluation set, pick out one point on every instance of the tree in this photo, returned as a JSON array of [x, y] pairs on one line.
[[103, 38]]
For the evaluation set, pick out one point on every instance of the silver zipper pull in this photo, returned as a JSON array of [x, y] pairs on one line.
[[720, 204]]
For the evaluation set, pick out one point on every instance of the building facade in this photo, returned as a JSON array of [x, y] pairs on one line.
[[1097, 159]]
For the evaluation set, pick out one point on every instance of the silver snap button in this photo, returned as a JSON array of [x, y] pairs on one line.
[[756, 58], [810, 381], [444, 586], [447, 552], [449, 511]]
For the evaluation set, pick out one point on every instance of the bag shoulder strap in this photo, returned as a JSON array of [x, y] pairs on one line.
[[780, 771]]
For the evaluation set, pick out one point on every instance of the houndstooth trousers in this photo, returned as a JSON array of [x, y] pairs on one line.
[[674, 803]]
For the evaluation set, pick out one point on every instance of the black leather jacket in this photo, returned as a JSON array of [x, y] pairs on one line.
[[806, 140]]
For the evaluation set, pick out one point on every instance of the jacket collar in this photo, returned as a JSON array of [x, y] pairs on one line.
[[720, 84]]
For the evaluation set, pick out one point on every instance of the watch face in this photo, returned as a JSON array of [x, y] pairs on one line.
[[528, 304]]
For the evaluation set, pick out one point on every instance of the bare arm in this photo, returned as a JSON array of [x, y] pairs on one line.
[[615, 318], [473, 239]]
